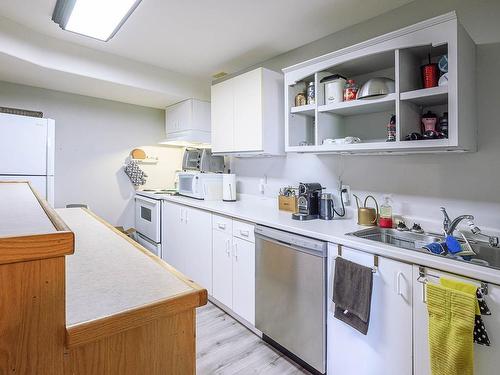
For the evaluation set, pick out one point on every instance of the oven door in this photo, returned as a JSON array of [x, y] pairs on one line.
[[147, 218]]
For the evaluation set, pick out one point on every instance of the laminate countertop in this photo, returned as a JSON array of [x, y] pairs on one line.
[[264, 211], [110, 274]]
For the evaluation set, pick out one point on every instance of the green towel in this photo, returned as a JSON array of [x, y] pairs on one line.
[[464, 287], [451, 325]]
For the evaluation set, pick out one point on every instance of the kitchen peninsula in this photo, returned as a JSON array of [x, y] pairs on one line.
[[109, 307]]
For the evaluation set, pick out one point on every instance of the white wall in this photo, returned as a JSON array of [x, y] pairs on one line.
[[465, 183], [93, 139]]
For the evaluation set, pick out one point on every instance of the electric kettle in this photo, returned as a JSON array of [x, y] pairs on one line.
[[367, 216]]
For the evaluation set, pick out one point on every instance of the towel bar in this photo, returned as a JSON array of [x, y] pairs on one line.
[[422, 278], [375, 258]]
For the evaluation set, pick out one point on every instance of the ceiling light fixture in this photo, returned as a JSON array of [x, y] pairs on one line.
[[99, 19]]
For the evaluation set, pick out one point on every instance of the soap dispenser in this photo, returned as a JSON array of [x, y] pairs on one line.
[[385, 220]]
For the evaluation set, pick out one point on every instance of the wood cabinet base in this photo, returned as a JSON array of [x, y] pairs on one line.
[[164, 346]]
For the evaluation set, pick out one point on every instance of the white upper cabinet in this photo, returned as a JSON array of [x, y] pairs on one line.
[[399, 56], [247, 114], [188, 121], [222, 117]]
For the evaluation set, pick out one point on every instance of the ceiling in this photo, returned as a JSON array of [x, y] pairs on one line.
[[201, 37]]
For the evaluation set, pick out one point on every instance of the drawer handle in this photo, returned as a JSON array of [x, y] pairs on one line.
[[235, 252], [228, 252], [400, 274], [244, 233], [221, 226]]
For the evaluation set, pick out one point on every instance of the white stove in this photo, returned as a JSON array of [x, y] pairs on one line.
[[148, 218]]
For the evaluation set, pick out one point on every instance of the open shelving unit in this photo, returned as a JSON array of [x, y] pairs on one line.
[[398, 56]]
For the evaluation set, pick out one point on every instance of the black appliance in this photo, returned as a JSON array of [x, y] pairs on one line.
[[308, 201]]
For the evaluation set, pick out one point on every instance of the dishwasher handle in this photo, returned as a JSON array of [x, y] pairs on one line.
[[300, 243]]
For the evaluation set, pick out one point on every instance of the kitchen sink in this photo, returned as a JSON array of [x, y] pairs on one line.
[[486, 255]]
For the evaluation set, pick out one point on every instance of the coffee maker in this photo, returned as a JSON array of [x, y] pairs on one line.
[[308, 201]]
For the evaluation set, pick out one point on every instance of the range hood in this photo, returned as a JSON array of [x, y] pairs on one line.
[[187, 138], [187, 123]]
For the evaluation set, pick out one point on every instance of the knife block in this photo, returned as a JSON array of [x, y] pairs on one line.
[[287, 203]]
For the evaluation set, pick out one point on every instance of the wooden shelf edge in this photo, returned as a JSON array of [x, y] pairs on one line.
[[56, 220], [35, 247], [85, 332]]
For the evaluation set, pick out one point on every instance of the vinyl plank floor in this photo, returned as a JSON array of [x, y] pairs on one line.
[[226, 347]]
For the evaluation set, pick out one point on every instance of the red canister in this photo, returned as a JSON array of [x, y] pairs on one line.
[[430, 75]]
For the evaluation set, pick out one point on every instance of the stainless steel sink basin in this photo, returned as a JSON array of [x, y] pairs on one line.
[[486, 255]]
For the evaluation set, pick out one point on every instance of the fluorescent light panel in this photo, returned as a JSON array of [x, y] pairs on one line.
[[98, 19]]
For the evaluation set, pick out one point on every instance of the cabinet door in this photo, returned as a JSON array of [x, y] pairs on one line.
[[171, 235], [248, 111], [222, 285], [486, 359], [197, 246], [244, 279], [178, 116], [387, 348], [222, 116]]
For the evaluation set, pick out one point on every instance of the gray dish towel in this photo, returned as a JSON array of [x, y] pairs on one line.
[[352, 294]]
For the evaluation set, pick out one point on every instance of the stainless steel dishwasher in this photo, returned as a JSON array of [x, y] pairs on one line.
[[290, 295]]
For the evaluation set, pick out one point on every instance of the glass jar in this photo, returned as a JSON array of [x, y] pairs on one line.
[[300, 99]]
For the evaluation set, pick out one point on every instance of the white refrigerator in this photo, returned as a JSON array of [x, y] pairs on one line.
[[27, 152]]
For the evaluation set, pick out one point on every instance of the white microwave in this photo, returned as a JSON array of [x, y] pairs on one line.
[[207, 186]]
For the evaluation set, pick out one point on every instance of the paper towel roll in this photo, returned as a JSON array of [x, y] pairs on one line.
[[229, 187]]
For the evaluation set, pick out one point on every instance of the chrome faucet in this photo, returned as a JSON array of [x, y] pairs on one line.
[[449, 226]]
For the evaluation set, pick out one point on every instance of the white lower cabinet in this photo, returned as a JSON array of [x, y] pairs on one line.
[[486, 359], [187, 239], [223, 267], [244, 279], [387, 348], [234, 266]]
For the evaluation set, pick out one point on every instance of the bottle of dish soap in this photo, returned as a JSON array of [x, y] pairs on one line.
[[385, 220]]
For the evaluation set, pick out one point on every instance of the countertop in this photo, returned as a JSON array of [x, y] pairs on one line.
[[21, 212], [264, 211], [109, 274]]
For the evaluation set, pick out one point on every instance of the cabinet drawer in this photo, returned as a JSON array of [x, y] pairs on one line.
[[222, 223], [243, 230]]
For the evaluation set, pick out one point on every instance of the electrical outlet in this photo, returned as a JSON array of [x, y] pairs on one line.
[[346, 196]]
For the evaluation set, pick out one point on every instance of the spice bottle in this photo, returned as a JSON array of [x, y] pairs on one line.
[[391, 130], [311, 93]]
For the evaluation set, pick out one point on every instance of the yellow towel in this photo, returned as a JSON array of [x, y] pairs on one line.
[[464, 287], [451, 325]]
